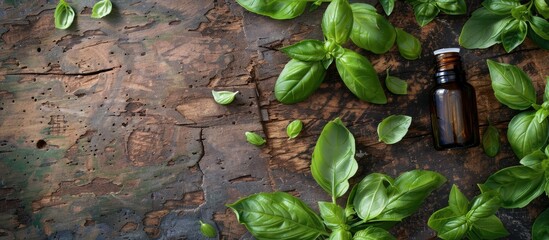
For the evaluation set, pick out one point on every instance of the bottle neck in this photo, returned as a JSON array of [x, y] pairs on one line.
[[449, 68]]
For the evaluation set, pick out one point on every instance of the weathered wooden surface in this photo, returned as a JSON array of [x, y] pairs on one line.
[[108, 129]]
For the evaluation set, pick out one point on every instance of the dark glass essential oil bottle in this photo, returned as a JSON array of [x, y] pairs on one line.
[[453, 104]]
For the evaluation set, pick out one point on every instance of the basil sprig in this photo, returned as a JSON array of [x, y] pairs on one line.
[[63, 15]]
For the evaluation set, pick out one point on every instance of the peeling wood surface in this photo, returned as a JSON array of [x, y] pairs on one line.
[[108, 129]]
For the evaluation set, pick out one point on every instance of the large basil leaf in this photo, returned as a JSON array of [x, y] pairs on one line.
[[534, 159], [484, 205], [452, 7], [517, 185], [425, 12], [514, 34], [277, 9], [438, 219], [543, 7], [277, 215], [388, 6], [306, 50], [371, 196], [454, 229], [511, 85], [371, 31], [490, 141], [457, 202], [488, 228], [525, 134], [298, 80], [408, 193], [539, 229], [393, 128], [332, 214], [486, 22], [408, 45], [360, 77], [500, 6], [373, 233], [333, 162], [337, 21], [63, 15], [540, 27]]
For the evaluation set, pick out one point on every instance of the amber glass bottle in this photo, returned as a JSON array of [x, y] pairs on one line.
[[453, 104]]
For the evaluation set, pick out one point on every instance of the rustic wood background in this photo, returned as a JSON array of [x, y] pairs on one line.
[[108, 129]]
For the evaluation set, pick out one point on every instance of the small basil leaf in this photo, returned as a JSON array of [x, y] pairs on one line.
[[489, 228], [255, 139], [298, 80], [264, 213], [360, 77], [371, 31], [438, 219], [277, 9], [525, 134], [371, 196], [514, 34], [207, 230], [393, 128], [484, 205], [540, 229], [511, 85], [373, 233], [490, 141], [457, 202], [101, 9], [454, 229], [224, 97], [294, 128], [542, 6], [540, 27], [452, 7], [521, 13], [541, 115], [327, 62], [333, 162], [408, 45], [388, 6], [396, 85], [306, 50], [490, 24], [337, 21], [332, 214], [517, 185], [534, 159], [63, 15], [425, 13], [500, 6]]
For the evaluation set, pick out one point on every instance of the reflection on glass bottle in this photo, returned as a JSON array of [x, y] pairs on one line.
[[453, 104]]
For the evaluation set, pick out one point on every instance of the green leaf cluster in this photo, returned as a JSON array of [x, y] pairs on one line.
[[426, 10], [64, 14], [474, 220], [507, 22], [374, 204]]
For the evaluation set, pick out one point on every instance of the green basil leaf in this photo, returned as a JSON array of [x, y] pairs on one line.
[[298, 80], [340, 234], [500, 6], [514, 34], [333, 162], [542, 6], [425, 13], [373, 233], [438, 219], [294, 128], [511, 85], [388, 6], [266, 216], [541, 115], [371, 31], [546, 91], [540, 27], [337, 21], [525, 134], [306, 50], [534, 159], [517, 185], [254, 138], [457, 202], [490, 141], [540, 229], [224, 97], [349, 207], [393, 128], [101, 9], [332, 214], [542, 43], [489, 228], [408, 45], [63, 15], [371, 196], [408, 193], [277, 9], [396, 85], [452, 7], [483, 21], [454, 229], [327, 62], [207, 230], [484, 205]]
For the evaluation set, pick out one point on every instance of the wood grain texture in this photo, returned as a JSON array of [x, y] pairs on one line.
[[108, 129]]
